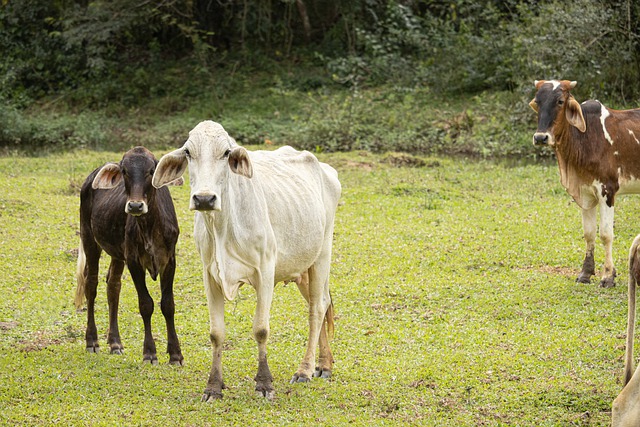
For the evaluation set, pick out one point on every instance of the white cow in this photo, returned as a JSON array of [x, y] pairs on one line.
[[261, 217], [625, 410]]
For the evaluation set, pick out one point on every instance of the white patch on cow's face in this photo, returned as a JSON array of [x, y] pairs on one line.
[[634, 136], [615, 153], [554, 83], [207, 151], [604, 113]]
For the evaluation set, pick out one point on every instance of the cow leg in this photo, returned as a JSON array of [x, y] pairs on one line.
[[113, 297], [325, 359], [606, 235], [589, 225], [92, 253], [319, 302], [168, 308], [264, 379], [145, 305], [215, 300]]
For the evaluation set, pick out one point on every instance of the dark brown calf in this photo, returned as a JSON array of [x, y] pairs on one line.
[[124, 215], [598, 153]]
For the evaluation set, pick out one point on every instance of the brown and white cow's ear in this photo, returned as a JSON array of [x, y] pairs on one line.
[[108, 176], [574, 115], [534, 105], [240, 163], [170, 168]]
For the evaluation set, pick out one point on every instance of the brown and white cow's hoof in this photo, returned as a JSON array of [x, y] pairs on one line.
[[608, 282]]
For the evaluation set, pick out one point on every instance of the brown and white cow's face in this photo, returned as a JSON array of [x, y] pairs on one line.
[[135, 171], [556, 109], [210, 154]]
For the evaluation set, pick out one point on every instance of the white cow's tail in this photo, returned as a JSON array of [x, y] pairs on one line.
[[328, 320], [634, 271], [81, 277]]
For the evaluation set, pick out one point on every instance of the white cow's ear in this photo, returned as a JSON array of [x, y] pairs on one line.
[[240, 163], [170, 168], [108, 177], [574, 115]]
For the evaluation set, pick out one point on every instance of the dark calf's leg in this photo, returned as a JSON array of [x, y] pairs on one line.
[[92, 252], [113, 297], [145, 305], [167, 306]]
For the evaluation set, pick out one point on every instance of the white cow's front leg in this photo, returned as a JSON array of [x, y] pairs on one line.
[[589, 224], [264, 379], [215, 300], [606, 235]]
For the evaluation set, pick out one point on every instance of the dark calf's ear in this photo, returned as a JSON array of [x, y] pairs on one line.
[[240, 163], [108, 176]]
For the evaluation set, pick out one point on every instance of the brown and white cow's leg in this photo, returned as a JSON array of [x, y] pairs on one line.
[[145, 306], [319, 302], [215, 300], [325, 358], [264, 293], [589, 226], [606, 235], [114, 276]]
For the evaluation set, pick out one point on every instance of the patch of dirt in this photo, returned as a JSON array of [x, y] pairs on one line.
[[549, 269], [39, 341], [404, 160]]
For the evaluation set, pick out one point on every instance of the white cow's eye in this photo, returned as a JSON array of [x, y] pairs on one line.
[[187, 153], [226, 153]]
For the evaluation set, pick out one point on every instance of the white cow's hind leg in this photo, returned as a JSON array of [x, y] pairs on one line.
[[319, 302], [215, 300], [606, 235], [325, 358], [589, 226]]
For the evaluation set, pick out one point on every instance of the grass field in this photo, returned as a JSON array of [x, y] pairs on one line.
[[453, 285]]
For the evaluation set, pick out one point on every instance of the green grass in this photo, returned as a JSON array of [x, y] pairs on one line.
[[453, 285]]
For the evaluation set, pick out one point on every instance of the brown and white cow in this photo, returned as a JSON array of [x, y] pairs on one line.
[[625, 410], [598, 153], [261, 217], [124, 215]]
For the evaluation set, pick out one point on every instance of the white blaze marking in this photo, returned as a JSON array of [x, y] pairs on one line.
[[604, 113], [555, 84], [634, 136]]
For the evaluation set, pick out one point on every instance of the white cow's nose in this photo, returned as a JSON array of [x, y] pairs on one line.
[[205, 202]]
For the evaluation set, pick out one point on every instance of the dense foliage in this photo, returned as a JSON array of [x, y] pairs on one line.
[[167, 56]]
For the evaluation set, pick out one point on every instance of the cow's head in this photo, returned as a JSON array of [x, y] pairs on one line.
[[134, 171], [210, 153], [556, 109]]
